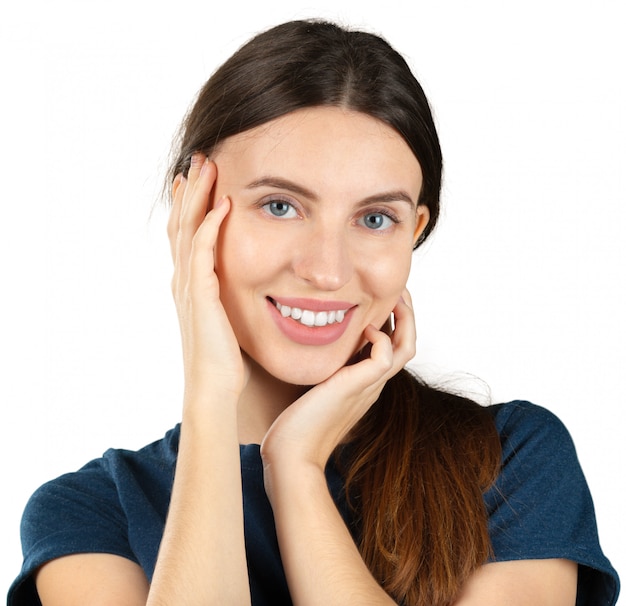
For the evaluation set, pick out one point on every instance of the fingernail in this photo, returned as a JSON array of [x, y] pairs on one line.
[[196, 158]]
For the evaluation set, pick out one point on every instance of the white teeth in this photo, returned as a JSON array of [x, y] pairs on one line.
[[311, 318], [321, 318], [308, 317], [296, 313]]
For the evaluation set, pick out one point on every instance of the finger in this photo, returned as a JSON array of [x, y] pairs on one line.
[[381, 350], [194, 206], [405, 335], [196, 198], [183, 187], [195, 166], [406, 298], [202, 257], [178, 187]]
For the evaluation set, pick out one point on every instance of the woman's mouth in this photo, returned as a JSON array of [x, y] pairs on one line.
[[310, 322], [309, 317]]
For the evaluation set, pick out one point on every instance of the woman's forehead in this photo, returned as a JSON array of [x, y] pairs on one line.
[[323, 143]]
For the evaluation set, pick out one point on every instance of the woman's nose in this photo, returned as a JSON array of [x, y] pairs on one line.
[[324, 259]]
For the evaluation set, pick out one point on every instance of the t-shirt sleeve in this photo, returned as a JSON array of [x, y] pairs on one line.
[[76, 513], [540, 506]]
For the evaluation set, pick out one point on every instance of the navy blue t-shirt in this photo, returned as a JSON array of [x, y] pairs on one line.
[[540, 507]]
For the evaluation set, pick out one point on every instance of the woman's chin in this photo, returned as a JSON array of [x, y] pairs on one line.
[[302, 372], [306, 377]]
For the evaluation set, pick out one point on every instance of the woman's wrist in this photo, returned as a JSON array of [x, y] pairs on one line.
[[287, 478]]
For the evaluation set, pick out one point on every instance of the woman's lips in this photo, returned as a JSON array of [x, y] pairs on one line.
[[310, 321]]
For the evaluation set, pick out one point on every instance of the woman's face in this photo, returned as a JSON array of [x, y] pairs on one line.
[[318, 241]]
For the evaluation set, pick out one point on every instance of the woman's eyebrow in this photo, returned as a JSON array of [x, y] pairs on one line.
[[398, 195], [281, 183]]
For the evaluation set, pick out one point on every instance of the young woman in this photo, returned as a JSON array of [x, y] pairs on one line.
[[310, 467]]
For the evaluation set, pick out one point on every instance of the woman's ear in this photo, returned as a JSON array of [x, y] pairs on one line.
[[422, 216]]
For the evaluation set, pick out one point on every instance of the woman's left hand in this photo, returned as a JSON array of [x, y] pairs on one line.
[[310, 429]]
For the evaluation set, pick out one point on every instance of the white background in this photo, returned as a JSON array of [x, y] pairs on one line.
[[522, 286]]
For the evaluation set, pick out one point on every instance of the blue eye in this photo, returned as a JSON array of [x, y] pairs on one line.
[[280, 208], [377, 221]]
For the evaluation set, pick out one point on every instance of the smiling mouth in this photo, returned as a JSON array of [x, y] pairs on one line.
[[309, 317]]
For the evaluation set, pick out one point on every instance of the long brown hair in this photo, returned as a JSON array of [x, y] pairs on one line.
[[419, 461]]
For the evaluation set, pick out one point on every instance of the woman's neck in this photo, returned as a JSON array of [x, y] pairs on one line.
[[262, 400]]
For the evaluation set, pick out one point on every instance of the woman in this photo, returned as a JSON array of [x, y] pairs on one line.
[[309, 466]]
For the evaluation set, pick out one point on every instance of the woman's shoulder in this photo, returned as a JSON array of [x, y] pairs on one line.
[[538, 453], [518, 421], [540, 506], [112, 481], [119, 469], [115, 504], [522, 412], [536, 440]]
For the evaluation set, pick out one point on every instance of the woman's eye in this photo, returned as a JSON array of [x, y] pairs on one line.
[[377, 221], [280, 208]]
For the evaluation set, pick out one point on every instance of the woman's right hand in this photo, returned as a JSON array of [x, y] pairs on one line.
[[211, 355]]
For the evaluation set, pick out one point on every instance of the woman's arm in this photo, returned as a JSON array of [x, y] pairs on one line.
[[322, 563], [522, 583], [85, 578], [202, 554]]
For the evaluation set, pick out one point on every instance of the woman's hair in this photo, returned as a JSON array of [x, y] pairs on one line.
[[418, 463]]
